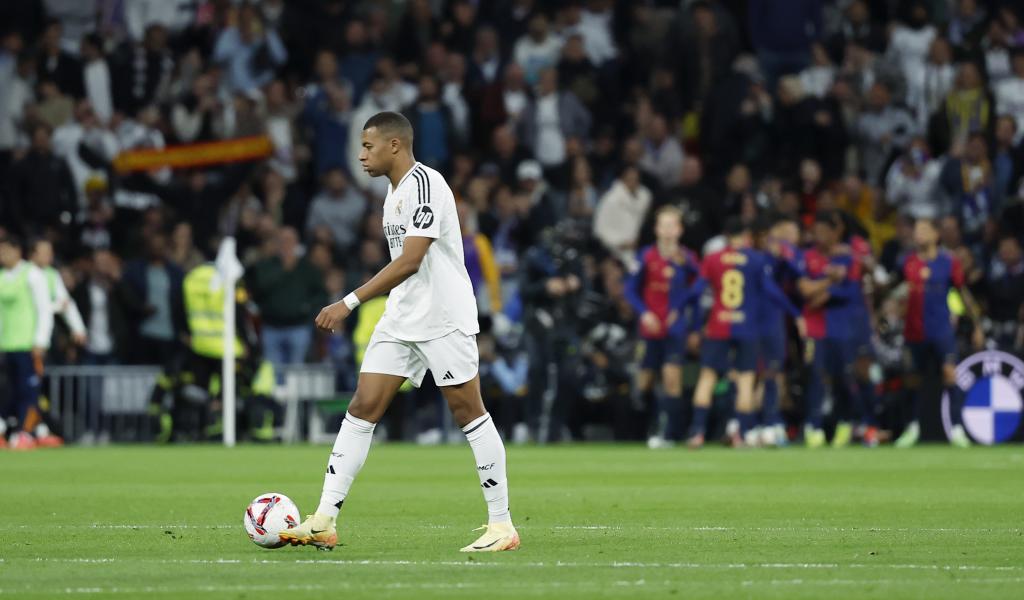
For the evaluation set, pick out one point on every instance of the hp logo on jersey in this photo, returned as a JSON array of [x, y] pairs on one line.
[[992, 383], [423, 217]]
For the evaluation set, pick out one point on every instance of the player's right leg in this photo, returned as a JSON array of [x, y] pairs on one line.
[[386, 365], [373, 395], [714, 358], [814, 436], [920, 359]]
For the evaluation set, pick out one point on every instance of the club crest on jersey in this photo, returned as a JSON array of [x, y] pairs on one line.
[[398, 207], [423, 217], [993, 387]]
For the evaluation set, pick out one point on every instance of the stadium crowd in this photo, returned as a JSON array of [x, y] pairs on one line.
[[562, 127]]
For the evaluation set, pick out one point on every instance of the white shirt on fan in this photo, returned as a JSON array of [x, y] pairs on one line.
[[438, 299]]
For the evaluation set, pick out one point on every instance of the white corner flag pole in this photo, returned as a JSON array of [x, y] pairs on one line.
[[230, 270]]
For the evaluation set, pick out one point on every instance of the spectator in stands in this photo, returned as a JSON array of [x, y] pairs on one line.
[[109, 308], [594, 25], [157, 282], [249, 51], [1005, 292], [967, 109], [928, 86], [56, 64], [197, 115], [782, 35], [881, 130], [858, 27], [620, 214], [968, 184], [96, 77], [1009, 93], [287, 288], [433, 125], [453, 83], [663, 154], [480, 264], [539, 49], [41, 190], [142, 70], [359, 58], [1007, 159], [910, 185], [911, 39], [339, 207], [328, 111], [183, 251], [554, 117]]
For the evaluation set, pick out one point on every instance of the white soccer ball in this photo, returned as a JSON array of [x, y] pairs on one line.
[[267, 516]]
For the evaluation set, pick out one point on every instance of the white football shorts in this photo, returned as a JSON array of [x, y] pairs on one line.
[[453, 358]]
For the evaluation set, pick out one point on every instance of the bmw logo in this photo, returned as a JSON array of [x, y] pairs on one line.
[[992, 383]]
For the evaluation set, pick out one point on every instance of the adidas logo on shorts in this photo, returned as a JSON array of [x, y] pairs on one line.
[[447, 376]]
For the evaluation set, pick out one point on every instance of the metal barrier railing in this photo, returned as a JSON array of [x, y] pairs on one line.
[[95, 404]]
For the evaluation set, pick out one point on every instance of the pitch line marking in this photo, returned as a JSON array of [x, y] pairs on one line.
[[581, 528], [475, 564], [456, 585]]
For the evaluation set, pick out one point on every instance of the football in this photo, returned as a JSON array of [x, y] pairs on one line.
[[267, 516]]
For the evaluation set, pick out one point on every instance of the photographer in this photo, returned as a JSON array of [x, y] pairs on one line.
[[552, 286]]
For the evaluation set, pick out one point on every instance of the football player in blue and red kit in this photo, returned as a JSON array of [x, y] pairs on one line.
[[829, 285], [778, 239], [861, 345], [741, 281], [930, 273], [657, 292]]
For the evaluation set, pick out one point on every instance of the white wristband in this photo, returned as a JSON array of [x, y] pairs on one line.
[[351, 301]]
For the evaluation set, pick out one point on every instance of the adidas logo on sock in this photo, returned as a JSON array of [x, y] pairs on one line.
[[489, 484], [447, 376], [330, 469]]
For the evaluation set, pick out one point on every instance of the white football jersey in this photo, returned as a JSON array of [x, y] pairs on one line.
[[438, 299]]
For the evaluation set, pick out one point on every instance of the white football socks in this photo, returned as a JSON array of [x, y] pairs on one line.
[[489, 452], [347, 457]]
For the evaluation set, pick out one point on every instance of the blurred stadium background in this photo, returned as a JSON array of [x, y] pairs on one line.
[[136, 135]]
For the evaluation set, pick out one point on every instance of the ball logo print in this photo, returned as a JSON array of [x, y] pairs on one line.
[[423, 217], [992, 383]]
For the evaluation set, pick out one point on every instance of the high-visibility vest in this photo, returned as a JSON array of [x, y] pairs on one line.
[[204, 307], [17, 311]]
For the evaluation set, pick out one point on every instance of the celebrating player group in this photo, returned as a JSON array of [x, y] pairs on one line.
[[759, 281]]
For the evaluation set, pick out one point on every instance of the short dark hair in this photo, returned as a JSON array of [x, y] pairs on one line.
[[11, 239], [391, 124]]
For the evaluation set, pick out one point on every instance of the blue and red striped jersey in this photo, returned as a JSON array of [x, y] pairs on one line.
[[928, 315], [742, 282], [785, 271], [660, 284], [835, 318]]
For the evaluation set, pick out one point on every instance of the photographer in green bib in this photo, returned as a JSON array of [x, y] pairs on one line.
[[26, 322]]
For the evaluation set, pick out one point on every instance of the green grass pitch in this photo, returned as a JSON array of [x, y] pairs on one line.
[[596, 522]]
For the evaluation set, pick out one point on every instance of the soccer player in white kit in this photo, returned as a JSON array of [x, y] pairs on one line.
[[429, 322]]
